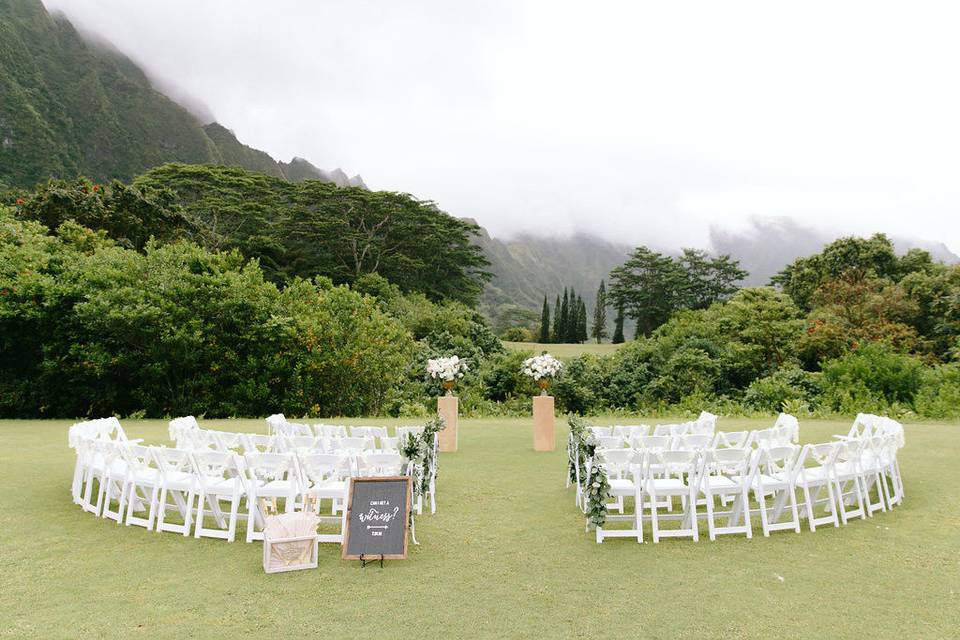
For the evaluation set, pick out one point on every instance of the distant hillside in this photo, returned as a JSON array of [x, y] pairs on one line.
[[71, 107]]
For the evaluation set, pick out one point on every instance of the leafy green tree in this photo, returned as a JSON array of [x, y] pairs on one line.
[[581, 321], [91, 328], [557, 322], [599, 330], [855, 309], [618, 337], [936, 292], [648, 287], [848, 257], [314, 228], [129, 215], [544, 336], [871, 378], [564, 334], [708, 279]]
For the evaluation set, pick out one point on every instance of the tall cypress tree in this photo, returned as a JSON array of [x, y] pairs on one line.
[[571, 335], [557, 329], [618, 325], [581, 321], [564, 318], [544, 322], [599, 330]]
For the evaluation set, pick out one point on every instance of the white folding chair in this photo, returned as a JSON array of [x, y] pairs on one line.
[[609, 442], [257, 443], [816, 472], [269, 475], [219, 477], [627, 432], [791, 423], [325, 476], [678, 470], [732, 440], [774, 477], [177, 480], [691, 441], [725, 474], [299, 444], [380, 464], [142, 486], [622, 471], [227, 441], [351, 445], [113, 481], [330, 430], [389, 445], [849, 480], [601, 432], [275, 424]]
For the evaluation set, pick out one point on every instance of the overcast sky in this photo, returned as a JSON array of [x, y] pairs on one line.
[[641, 121]]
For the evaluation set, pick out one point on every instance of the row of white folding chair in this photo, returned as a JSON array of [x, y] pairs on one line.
[[866, 425], [142, 478], [850, 473], [100, 428]]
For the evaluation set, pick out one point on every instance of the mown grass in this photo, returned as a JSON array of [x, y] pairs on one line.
[[565, 350], [506, 556]]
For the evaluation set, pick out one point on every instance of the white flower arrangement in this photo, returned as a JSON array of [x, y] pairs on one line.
[[447, 369], [542, 367]]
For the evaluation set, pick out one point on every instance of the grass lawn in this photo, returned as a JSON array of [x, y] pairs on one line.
[[506, 556], [565, 350]]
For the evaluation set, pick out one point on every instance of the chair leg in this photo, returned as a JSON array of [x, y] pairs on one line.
[[198, 527]]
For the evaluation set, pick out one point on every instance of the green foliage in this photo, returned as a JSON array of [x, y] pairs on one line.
[[874, 256], [618, 337], [544, 335], [873, 377], [418, 449], [316, 228], [91, 328], [651, 286], [599, 329], [790, 387], [129, 215], [939, 393], [854, 309]]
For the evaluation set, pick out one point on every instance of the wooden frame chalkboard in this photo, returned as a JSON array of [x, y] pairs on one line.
[[363, 543]]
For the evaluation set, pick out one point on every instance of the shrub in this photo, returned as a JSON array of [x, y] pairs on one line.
[[871, 379], [939, 393], [796, 387]]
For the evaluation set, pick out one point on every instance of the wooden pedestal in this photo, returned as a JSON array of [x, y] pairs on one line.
[[449, 409], [543, 437]]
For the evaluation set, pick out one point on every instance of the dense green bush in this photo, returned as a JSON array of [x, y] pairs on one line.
[[871, 378], [91, 328], [792, 387], [939, 393]]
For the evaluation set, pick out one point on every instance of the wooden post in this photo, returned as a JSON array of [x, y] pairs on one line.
[[449, 409], [543, 436]]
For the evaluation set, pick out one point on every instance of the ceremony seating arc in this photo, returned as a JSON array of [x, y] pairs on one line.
[[214, 480], [741, 476]]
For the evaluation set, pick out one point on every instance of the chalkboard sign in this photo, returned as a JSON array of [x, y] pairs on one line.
[[378, 516]]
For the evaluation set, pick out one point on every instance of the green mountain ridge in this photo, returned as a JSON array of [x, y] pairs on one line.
[[70, 106]]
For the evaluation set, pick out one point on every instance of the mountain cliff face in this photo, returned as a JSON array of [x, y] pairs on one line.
[[526, 268], [70, 107]]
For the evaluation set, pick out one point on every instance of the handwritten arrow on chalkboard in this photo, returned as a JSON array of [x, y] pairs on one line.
[[377, 526]]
